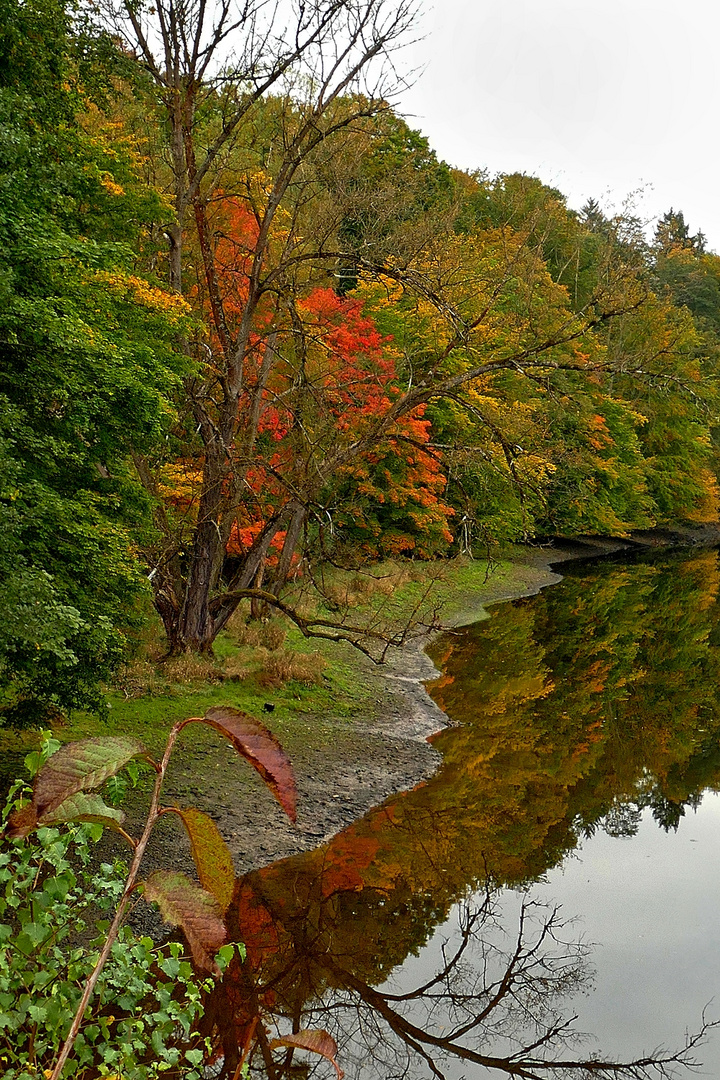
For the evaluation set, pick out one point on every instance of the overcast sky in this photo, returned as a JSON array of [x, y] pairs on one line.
[[599, 98]]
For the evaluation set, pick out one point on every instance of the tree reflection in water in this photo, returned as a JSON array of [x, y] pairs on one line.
[[498, 1002], [577, 709]]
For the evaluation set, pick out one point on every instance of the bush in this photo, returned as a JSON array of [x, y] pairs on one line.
[[148, 1001]]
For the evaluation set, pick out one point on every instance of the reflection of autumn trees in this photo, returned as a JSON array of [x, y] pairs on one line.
[[618, 705], [580, 707], [498, 998], [555, 737], [598, 693]]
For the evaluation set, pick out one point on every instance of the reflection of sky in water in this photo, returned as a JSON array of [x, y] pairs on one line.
[[650, 907], [652, 902]]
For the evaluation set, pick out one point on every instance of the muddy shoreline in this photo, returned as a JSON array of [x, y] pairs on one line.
[[349, 768], [345, 769]]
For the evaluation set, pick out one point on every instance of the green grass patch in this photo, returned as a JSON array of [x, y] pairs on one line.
[[390, 595], [299, 687]]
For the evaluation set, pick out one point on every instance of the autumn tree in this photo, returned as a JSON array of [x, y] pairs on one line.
[[320, 66], [627, 445], [280, 153]]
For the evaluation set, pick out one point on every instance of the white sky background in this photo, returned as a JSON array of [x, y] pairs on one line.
[[596, 97]]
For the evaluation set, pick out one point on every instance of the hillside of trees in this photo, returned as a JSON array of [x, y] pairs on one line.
[[250, 325]]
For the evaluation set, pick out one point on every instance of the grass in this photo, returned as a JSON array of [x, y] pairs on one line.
[[390, 594], [299, 687]]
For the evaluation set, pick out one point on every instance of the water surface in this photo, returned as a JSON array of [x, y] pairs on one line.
[[581, 772]]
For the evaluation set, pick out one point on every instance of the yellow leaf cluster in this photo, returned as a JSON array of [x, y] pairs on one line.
[[139, 291]]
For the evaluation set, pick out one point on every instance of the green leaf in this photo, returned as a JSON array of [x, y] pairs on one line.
[[73, 768], [24, 943], [83, 807], [116, 789], [80, 766], [227, 952]]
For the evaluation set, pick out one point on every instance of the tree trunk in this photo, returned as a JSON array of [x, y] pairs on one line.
[[290, 547], [196, 626]]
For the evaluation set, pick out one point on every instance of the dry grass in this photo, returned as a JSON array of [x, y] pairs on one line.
[[191, 668], [261, 656], [361, 589], [138, 678], [235, 669], [258, 648], [272, 635], [153, 677], [267, 635], [280, 667]]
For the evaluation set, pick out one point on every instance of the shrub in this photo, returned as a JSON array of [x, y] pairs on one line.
[[50, 889], [148, 1001]]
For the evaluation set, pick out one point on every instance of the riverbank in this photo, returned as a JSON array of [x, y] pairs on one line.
[[355, 740], [345, 767]]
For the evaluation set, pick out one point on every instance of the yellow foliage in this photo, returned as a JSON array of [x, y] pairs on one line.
[[139, 291], [110, 186], [707, 509]]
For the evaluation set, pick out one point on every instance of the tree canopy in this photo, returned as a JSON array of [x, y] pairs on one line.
[[250, 321], [88, 365]]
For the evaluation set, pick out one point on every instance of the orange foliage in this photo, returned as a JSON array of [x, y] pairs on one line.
[[330, 377]]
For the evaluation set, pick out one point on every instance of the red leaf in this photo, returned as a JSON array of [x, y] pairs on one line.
[[22, 822], [79, 766], [195, 911], [260, 748], [315, 1040], [211, 855]]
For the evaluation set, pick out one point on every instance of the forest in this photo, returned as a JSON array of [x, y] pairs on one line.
[[253, 327], [258, 341]]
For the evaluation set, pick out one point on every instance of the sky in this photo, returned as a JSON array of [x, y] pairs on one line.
[[614, 99]]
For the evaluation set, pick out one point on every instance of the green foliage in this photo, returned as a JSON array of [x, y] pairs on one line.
[[53, 896], [396, 187], [63, 777], [88, 360]]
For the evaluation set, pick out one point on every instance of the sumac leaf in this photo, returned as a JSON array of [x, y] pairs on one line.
[[211, 855], [195, 911], [260, 748], [83, 807], [79, 766], [315, 1040]]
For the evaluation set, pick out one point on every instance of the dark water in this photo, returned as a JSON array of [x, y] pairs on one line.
[[427, 937]]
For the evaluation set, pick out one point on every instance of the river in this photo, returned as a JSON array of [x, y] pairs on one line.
[[558, 874]]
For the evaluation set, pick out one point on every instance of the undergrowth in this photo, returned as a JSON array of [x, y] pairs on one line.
[[55, 899]]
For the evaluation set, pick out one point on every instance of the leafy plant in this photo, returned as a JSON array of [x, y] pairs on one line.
[[45, 906], [148, 1000]]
